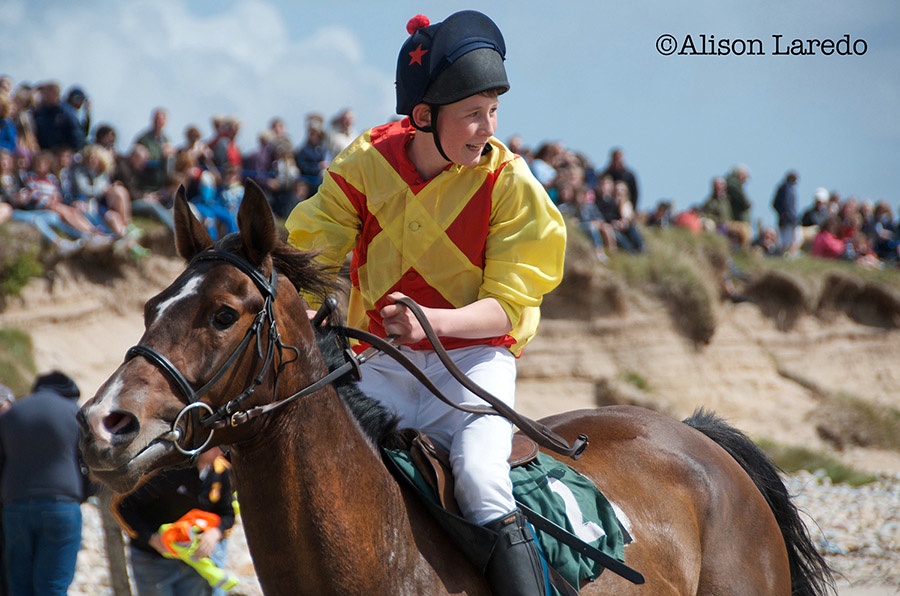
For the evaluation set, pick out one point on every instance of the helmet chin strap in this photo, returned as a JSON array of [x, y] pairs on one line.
[[432, 129]]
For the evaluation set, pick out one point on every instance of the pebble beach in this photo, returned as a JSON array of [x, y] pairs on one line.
[[857, 529]]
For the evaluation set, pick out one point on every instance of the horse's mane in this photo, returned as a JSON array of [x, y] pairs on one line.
[[379, 424], [307, 275]]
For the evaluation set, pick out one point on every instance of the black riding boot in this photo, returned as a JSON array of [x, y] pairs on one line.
[[515, 567]]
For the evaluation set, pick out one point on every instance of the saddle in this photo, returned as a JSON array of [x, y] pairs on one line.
[[433, 462], [425, 467]]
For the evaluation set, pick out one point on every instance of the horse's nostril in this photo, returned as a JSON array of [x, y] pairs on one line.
[[120, 423]]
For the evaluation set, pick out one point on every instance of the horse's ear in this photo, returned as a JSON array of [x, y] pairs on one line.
[[256, 223], [190, 235]]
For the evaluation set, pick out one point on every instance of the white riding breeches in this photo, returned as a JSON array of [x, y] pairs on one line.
[[479, 445]]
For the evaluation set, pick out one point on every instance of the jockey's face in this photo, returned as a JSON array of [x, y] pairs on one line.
[[465, 126]]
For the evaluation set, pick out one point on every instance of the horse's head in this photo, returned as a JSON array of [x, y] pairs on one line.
[[210, 340]]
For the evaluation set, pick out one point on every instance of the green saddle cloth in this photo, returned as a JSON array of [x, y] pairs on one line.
[[565, 497]]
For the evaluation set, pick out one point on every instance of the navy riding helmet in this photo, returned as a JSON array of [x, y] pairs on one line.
[[449, 61]]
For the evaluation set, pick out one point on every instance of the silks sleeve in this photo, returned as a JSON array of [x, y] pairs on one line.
[[525, 251], [327, 224]]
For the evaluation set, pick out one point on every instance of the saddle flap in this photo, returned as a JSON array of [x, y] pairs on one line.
[[434, 463]]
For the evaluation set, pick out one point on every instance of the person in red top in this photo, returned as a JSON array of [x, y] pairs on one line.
[[223, 144], [435, 208], [828, 244]]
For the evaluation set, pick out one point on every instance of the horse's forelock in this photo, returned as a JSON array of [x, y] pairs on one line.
[[300, 267]]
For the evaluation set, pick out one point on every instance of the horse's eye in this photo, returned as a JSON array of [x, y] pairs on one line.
[[225, 318]]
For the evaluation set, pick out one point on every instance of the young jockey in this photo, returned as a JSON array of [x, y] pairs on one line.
[[435, 208]]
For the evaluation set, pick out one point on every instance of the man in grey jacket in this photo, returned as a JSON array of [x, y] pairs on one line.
[[41, 487]]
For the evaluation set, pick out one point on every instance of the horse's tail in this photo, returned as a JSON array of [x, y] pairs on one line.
[[810, 574]]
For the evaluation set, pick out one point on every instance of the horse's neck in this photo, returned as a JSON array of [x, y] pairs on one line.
[[315, 499]]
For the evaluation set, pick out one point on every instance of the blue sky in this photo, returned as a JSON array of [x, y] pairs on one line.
[[587, 73]]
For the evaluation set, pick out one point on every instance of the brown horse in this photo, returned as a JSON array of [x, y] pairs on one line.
[[229, 339]]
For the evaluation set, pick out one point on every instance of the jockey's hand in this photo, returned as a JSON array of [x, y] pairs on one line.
[[480, 319], [400, 321]]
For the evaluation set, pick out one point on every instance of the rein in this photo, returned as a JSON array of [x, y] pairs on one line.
[[229, 415]]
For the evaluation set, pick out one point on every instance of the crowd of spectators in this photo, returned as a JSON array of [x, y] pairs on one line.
[[602, 202], [64, 175], [828, 226]]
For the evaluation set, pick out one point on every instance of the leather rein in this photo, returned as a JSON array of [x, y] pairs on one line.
[[231, 414]]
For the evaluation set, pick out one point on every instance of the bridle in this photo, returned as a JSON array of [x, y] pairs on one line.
[[194, 407], [230, 414]]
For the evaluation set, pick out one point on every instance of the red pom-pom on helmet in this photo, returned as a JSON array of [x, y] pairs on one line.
[[416, 23]]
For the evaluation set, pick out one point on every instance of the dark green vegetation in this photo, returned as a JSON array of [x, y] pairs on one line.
[[793, 459], [693, 273], [20, 259], [17, 367]]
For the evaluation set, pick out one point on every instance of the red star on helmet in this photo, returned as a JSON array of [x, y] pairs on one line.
[[415, 57]]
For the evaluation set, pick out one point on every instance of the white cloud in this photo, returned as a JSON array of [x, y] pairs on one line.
[[133, 56]]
